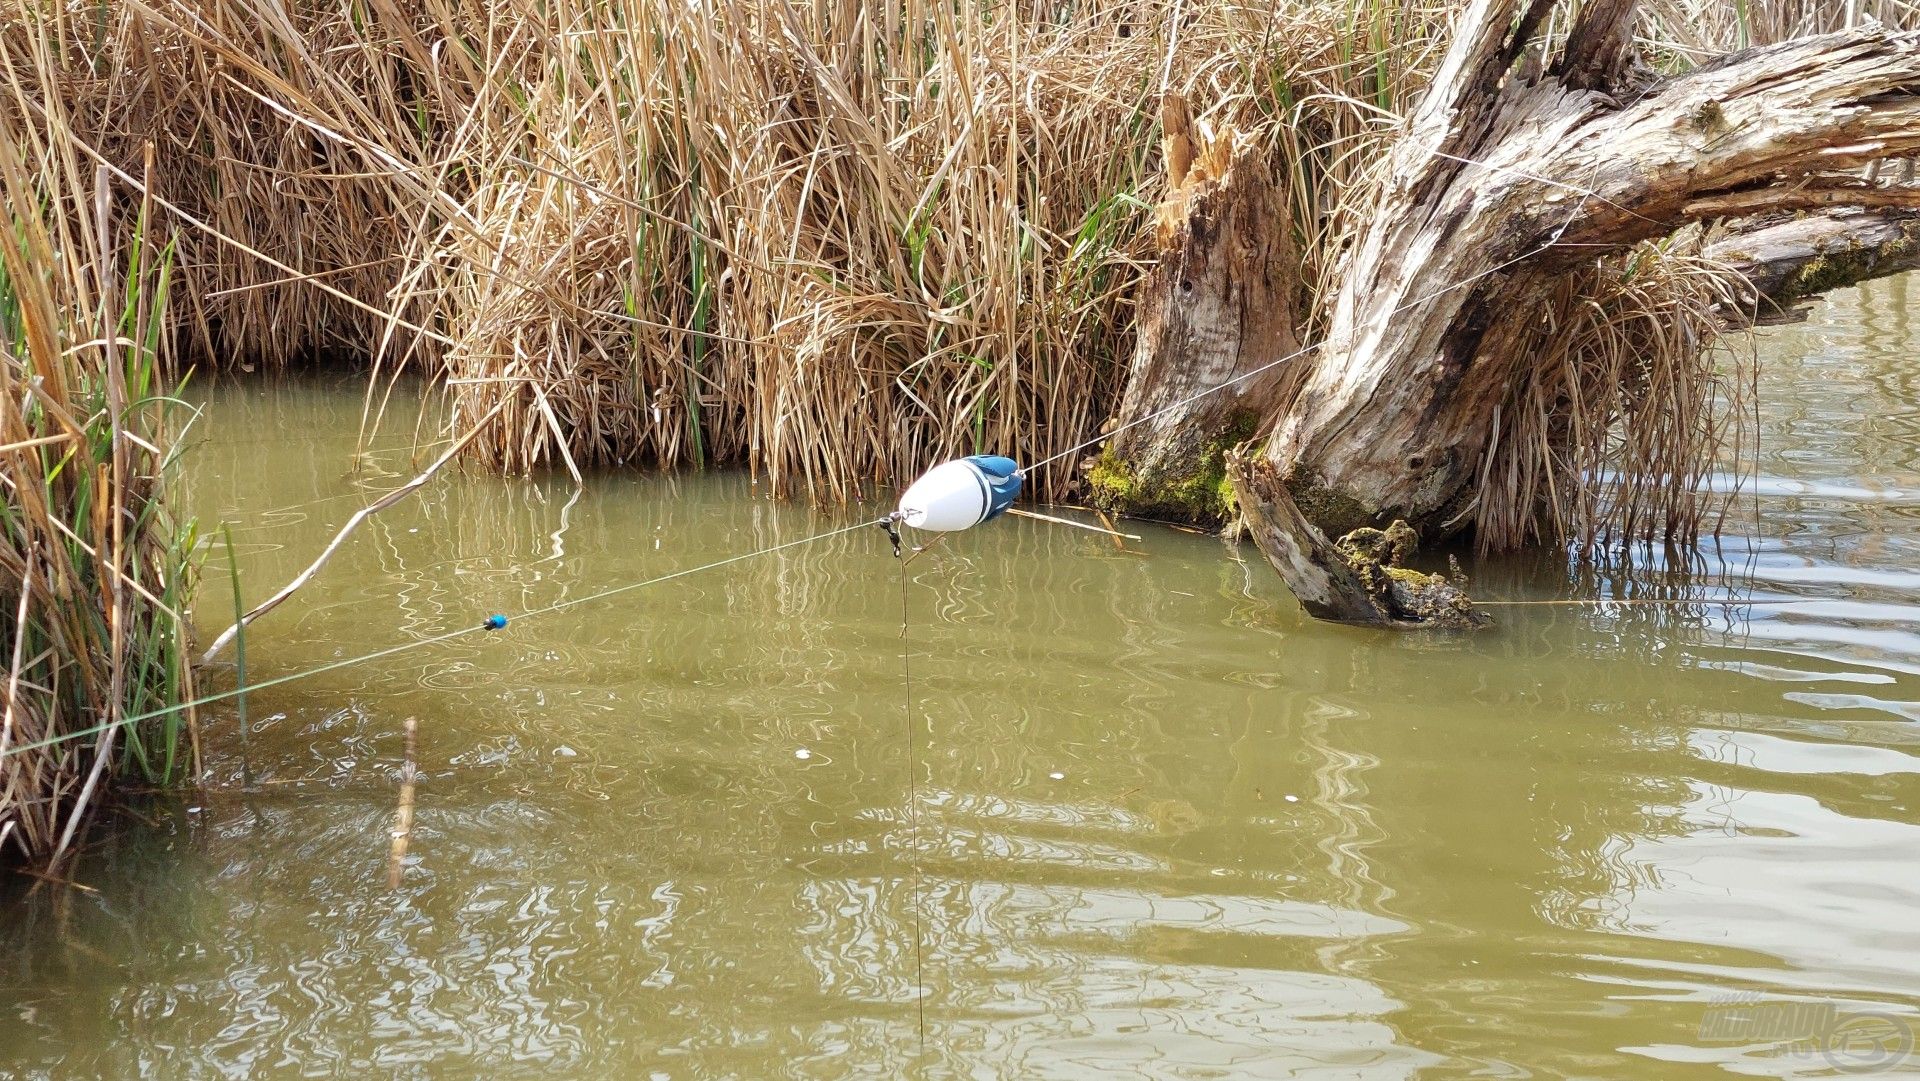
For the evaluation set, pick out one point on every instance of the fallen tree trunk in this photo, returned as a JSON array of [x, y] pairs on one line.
[[1400, 405], [1513, 175]]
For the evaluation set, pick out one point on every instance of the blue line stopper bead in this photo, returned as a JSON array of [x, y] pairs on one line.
[[496, 622]]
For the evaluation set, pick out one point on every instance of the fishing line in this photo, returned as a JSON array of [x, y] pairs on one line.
[[251, 687], [631, 586], [1672, 602], [491, 623], [916, 892]]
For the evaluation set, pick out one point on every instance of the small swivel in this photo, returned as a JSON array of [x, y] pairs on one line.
[[891, 523]]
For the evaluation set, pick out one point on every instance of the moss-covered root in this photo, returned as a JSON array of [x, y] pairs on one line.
[[1429, 600], [1847, 266]]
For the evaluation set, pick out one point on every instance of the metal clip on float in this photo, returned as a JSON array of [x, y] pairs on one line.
[[960, 494]]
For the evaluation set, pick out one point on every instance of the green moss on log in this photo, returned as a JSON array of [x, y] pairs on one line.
[[1409, 596], [1199, 493], [1334, 512], [1834, 270]]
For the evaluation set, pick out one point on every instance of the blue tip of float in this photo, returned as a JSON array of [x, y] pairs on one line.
[[496, 622]]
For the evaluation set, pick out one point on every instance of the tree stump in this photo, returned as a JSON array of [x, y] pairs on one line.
[[1218, 304]]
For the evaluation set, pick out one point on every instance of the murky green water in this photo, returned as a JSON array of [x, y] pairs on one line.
[[1164, 825]]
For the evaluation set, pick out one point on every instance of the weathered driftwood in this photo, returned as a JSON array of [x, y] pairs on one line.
[[1513, 171], [1219, 304]]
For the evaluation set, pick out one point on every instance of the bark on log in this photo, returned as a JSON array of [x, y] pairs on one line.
[[1219, 304]]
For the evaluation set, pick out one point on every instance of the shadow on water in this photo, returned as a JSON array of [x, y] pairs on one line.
[[1161, 824]]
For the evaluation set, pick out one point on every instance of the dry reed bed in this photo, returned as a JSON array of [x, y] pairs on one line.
[[840, 242], [829, 241]]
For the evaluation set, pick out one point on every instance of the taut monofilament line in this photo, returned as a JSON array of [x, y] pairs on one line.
[[495, 622]]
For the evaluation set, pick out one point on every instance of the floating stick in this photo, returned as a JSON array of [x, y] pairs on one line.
[[1114, 533], [340, 538]]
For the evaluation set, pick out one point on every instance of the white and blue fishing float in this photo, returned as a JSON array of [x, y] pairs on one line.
[[961, 494]]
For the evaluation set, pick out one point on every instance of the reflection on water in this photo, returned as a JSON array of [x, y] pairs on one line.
[[1165, 826]]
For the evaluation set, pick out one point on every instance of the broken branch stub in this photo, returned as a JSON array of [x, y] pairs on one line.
[[1218, 305]]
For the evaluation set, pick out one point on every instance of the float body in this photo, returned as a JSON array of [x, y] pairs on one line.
[[961, 494]]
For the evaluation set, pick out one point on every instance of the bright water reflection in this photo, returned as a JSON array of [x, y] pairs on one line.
[[1167, 826]]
